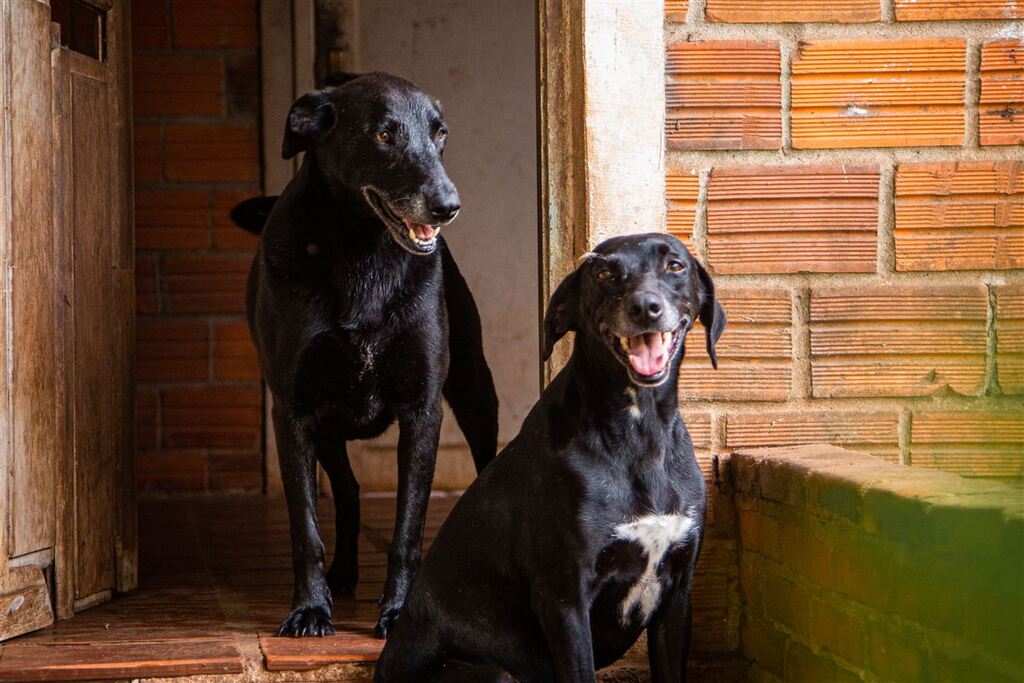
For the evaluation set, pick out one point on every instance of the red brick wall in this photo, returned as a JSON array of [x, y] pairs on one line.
[[857, 189], [196, 105], [851, 173]]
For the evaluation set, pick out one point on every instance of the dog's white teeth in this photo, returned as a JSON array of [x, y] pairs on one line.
[[412, 234], [666, 338], [624, 343]]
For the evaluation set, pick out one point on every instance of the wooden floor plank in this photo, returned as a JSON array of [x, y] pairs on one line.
[[28, 661], [297, 654]]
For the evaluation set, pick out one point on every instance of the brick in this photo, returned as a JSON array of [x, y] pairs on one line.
[[723, 94], [774, 11], [1010, 337], [146, 424], [167, 219], [935, 10], [147, 155], [204, 284], [681, 190], [1001, 107], [893, 657], [242, 89], [969, 443], [763, 644], [838, 631], [239, 472], [898, 341], [786, 603], [212, 417], [212, 153], [754, 354], [171, 471], [675, 10], [149, 24], [173, 86], [959, 216], [848, 93], [225, 23], [172, 351], [711, 597], [789, 219], [147, 298], [803, 665], [226, 235], [234, 356], [875, 433]]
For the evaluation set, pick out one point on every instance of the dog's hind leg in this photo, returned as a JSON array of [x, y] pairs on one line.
[[469, 388], [344, 571]]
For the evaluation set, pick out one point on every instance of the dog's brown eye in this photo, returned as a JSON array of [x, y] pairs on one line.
[[383, 136], [604, 274], [676, 267]]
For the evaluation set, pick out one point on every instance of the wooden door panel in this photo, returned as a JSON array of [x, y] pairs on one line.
[[95, 348], [35, 378]]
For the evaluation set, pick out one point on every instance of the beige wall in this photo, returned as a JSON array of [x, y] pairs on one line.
[[478, 58]]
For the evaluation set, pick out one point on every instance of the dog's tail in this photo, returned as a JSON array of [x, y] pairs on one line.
[[469, 388], [251, 214]]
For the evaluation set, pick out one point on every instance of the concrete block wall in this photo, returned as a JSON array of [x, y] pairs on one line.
[[196, 107], [854, 570], [852, 173]]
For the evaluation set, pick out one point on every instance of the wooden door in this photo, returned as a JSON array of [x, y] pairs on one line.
[[67, 307]]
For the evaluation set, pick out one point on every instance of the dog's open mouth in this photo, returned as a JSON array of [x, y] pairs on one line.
[[417, 238], [647, 356]]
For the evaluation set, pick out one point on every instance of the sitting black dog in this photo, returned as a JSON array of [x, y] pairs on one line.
[[586, 529], [361, 318]]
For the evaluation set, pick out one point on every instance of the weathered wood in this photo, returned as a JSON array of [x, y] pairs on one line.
[[123, 245], [297, 654], [33, 314], [64, 542], [93, 393], [601, 75], [24, 602], [132, 659]]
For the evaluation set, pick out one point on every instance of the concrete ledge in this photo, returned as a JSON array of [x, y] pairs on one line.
[[853, 568]]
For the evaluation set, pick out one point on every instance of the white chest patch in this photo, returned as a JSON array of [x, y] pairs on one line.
[[655, 534]]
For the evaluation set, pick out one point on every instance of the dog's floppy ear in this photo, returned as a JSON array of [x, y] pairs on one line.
[[562, 312], [311, 116], [712, 315]]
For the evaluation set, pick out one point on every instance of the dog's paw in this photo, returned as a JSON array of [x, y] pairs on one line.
[[306, 621], [386, 623], [342, 580]]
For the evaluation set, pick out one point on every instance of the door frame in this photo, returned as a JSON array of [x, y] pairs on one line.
[[594, 181], [600, 127]]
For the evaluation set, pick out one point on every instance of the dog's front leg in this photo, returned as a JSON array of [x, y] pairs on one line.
[[419, 432], [311, 601], [668, 633], [565, 622]]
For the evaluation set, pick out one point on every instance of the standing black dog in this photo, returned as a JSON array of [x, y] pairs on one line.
[[586, 529], [361, 318]]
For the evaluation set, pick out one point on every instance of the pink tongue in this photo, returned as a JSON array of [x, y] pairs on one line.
[[647, 353], [422, 230]]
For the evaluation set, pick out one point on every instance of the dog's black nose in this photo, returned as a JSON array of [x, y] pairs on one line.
[[645, 308], [444, 209]]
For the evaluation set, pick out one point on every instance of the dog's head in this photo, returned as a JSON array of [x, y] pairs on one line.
[[380, 137], [635, 298]]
